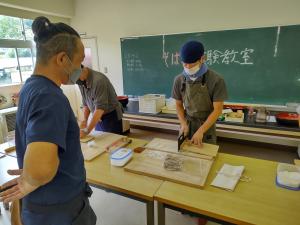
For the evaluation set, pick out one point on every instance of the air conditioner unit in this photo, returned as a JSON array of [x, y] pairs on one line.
[[7, 123]]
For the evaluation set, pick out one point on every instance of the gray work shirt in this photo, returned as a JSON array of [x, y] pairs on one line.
[[215, 85], [100, 94]]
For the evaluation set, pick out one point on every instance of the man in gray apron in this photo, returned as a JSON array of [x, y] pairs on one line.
[[99, 98], [199, 93]]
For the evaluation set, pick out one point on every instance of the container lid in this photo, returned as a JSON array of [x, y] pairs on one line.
[[288, 176], [121, 153], [122, 97], [287, 116], [285, 186]]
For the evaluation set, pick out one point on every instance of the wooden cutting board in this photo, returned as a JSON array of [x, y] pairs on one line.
[[151, 163], [206, 149], [297, 162], [100, 142], [105, 140], [171, 146], [89, 153], [162, 144], [86, 139]]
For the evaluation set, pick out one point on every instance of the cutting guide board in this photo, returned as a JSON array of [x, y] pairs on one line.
[[89, 153], [206, 149], [86, 139], [151, 163], [171, 146], [99, 144]]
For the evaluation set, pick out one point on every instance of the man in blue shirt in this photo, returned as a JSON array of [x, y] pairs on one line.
[[52, 181]]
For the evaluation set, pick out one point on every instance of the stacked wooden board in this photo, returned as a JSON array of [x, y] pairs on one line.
[[197, 162], [101, 142]]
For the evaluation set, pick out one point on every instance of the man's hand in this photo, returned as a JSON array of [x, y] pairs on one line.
[[184, 129], [83, 124], [197, 137], [83, 133], [20, 188]]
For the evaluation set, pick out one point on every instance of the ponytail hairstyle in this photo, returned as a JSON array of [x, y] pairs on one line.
[[53, 38]]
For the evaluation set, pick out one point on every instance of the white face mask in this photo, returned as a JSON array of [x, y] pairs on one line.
[[192, 70], [74, 74]]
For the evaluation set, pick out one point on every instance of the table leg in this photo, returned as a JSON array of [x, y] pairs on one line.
[[150, 212], [161, 213]]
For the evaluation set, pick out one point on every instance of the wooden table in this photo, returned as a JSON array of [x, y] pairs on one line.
[[258, 202], [102, 175], [6, 162], [6, 145]]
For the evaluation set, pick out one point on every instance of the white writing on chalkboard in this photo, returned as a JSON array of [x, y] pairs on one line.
[[229, 56], [172, 59], [133, 63]]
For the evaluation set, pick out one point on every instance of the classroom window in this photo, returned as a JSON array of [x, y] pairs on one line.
[[25, 62], [13, 28], [17, 50], [27, 29], [9, 72]]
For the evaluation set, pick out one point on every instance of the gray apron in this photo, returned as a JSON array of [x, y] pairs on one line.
[[198, 106], [120, 110]]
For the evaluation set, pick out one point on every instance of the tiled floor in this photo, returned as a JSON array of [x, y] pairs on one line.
[[113, 209]]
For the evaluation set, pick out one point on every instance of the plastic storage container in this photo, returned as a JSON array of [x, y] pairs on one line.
[[288, 176], [151, 103], [133, 105], [171, 104], [120, 157]]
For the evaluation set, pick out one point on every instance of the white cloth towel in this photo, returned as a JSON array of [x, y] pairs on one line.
[[228, 177]]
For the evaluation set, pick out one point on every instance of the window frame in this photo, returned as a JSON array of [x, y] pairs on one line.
[[16, 44]]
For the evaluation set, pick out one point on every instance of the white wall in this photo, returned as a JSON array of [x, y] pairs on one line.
[[62, 8], [110, 20]]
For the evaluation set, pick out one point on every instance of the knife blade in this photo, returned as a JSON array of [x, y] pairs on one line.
[[180, 140]]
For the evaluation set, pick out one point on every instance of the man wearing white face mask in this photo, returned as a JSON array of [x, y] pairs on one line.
[[199, 93]]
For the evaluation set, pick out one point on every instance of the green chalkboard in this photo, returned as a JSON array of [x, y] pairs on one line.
[[259, 65]]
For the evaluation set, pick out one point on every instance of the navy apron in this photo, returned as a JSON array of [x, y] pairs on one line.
[[112, 121]]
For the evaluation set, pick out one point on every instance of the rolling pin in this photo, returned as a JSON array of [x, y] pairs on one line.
[[10, 149]]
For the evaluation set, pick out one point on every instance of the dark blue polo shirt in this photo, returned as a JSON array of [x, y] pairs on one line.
[[45, 115]]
